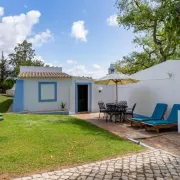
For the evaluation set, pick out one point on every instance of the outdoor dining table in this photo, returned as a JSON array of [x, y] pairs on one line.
[[116, 109]]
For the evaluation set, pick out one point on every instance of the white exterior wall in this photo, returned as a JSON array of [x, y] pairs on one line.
[[157, 90], [107, 95], [31, 100], [65, 93]]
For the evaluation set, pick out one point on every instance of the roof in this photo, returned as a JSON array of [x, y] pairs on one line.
[[43, 75]]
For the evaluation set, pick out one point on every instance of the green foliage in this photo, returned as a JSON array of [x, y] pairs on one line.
[[23, 55], [5, 72], [8, 84], [63, 105], [156, 23], [134, 62]]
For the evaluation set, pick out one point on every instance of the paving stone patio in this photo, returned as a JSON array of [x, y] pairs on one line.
[[153, 164], [167, 139]]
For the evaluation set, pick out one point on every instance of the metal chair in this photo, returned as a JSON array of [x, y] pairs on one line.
[[130, 111], [122, 103], [102, 109]]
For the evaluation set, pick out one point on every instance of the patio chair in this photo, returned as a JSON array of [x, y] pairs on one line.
[[130, 111], [122, 103], [102, 109], [172, 120], [158, 113]]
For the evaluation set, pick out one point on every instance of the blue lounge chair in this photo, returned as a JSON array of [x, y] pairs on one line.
[[158, 113], [171, 121]]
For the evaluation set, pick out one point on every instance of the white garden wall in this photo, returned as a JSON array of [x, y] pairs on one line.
[[156, 87]]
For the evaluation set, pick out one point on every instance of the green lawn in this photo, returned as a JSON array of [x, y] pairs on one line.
[[30, 143]]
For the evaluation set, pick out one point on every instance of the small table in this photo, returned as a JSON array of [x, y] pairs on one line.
[[115, 109]]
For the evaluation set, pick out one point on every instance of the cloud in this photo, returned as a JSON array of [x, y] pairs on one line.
[[80, 70], [112, 20], [1, 11], [40, 58], [41, 38], [96, 66], [52, 64], [79, 31], [25, 6], [71, 62], [15, 29], [77, 70]]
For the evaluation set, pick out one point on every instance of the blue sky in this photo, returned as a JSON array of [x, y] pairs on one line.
[[86, 48]]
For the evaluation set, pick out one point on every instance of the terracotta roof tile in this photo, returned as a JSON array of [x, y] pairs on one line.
[[43, 75]]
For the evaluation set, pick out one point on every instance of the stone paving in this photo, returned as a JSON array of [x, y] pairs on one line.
[[153, 164], [167, 139]]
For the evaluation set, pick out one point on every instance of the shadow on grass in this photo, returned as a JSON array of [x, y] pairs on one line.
[[4, 105], [87, 128]]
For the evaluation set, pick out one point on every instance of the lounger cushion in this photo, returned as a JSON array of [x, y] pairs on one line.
[[160, 122], [159, 111], [157, 114], [141, 119], [173, 117]]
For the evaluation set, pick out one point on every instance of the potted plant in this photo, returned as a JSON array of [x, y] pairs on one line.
[[63, 105]]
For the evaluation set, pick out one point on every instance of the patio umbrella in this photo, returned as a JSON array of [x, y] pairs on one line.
[[116, 79]]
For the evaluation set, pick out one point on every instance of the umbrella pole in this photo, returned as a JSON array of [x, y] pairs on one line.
[[116, 92]]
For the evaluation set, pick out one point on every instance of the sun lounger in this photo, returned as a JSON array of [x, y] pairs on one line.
[[158, 113], [171, 121]]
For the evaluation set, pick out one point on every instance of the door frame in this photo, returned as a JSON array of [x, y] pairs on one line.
[[89, 84]]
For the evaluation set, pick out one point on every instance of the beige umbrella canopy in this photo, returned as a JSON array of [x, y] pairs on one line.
[[116, 79]]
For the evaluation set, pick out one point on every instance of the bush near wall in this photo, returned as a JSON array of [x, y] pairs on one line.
[[7, 84]]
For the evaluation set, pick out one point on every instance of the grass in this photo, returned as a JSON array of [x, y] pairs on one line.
[[5, 103], [30, 143]]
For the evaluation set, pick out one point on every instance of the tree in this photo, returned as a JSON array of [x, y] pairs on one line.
[[23, 55], [4, 70], [135, 62], [157, 24]]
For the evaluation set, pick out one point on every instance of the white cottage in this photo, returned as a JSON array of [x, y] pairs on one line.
[[42, 89]]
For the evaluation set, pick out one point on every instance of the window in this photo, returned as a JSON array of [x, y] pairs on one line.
[[47, 91]]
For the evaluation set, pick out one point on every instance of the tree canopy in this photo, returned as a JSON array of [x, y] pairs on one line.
[[156, 25], [5, 71], [24, 55]]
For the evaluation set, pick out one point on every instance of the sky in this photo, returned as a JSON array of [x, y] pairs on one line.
[[82, 36]]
